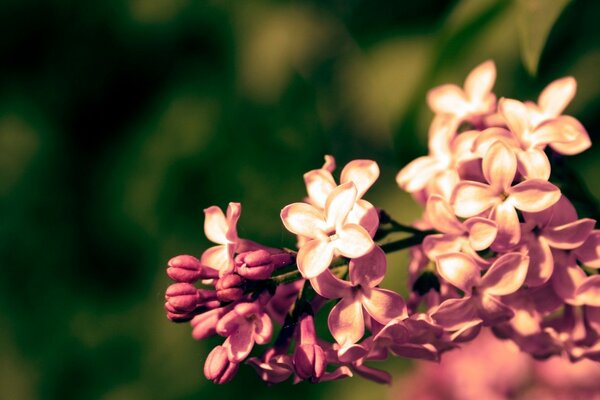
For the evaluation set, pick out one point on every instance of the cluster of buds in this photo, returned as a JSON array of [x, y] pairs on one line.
[[498, 246]]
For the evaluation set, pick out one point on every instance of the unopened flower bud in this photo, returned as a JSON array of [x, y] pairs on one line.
[[309, 361], [182, 298], [185, 268], [230, 287], [255, 265], [218, 368]]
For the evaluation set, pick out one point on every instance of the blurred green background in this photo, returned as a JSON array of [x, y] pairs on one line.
[[121, 120]]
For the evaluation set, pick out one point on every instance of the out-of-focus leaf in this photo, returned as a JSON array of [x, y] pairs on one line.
[[535, 19]]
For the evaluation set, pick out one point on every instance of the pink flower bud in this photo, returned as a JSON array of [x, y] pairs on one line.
[[182, 298], [218, 368], [309, 361], [184, 268], [230, 287], [255, 265]]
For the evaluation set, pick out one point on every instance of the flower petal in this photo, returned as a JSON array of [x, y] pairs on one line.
[[383, 305], [353, 241], [329, 286], [346, 322], [492, 311], [314, 257], [459, 270], [480, 81], [215, 225], [263, 329], [482, 232], [588, 292], [506, 275], [219, 258], [233, 215], [567, 277], [499, 166], [453, 314], [368, 270], [366, 215], [418, 173], [339, 203], [569, 236], [439, 214], [471, 198], [509, 230], [533, 195], [589, 252], [557, 95], [440, 244], [240, 343], [363, 173], [303, 219], [447, 99], [319, 184], [516, 116], [534, 164], [580, 140], [541, 261]]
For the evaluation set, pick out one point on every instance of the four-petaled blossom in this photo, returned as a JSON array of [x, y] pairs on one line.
[[328, 231], [244, 325], [360, 293], [481, 301], [223, 231], [473, 198]]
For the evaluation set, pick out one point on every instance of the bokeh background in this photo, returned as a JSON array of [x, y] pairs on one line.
[[121, 120]]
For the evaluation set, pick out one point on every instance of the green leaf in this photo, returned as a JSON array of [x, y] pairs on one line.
[[535, 19]]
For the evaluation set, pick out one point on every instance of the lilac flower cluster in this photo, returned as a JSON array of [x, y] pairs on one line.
[[498, 245]]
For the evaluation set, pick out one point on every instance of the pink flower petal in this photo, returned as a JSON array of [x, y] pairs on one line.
[[506, 275], [588, 292], [482, 232], [567, 277], [363, 173], [441, 217], [533, 195], [418, 173], [453, 314], [373, 374], [471, 198], [569, 236], [480, 81], [580, 140], [534, 164], [331, 287], [365, 215], [416, 351], [303, 219], [490, 136], [345, 321], [516, 116], [263, 329], [383, 305], [314, 257], [509, 230], [339, 203], [368, 270], [557, 95], [240, 343], [441, 131], [215, 225], [541, 261], [440, 244], [589, 252], [353, 241], [447, 99], [492, 311], [233, 215], [329, 164], [348, 354], [219, 258], [499, 166], [319, 184], [459, 270]]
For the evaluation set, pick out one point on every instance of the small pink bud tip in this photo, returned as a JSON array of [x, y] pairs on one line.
[[182, 298], [185, 268], [230, 287], [255, 265], [309, 361], [218, 368]]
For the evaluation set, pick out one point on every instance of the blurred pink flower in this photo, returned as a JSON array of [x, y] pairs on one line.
[[222, 230]]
